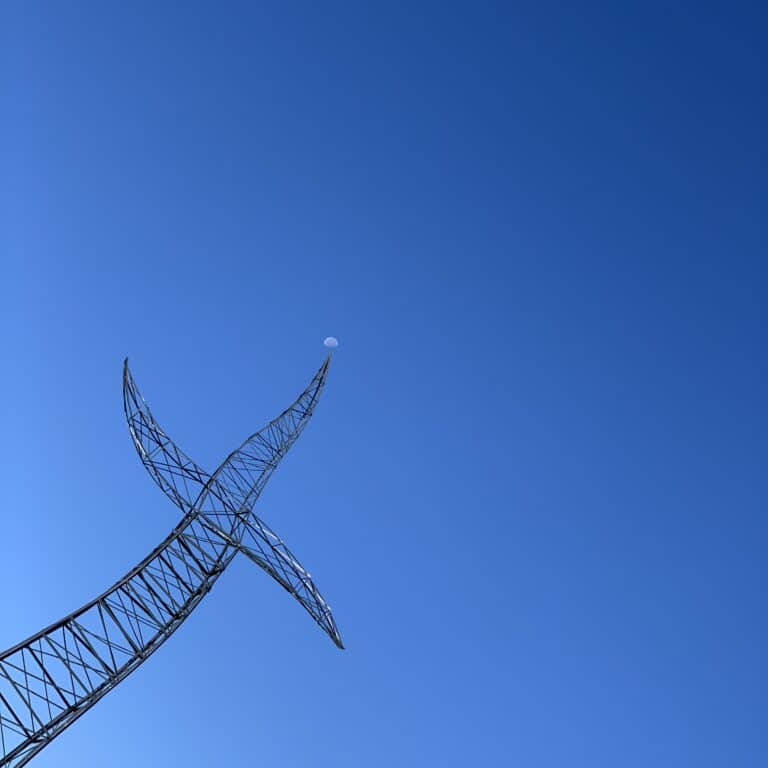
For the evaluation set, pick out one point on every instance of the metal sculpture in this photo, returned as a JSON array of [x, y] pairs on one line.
[[249, 466], [55, 676]]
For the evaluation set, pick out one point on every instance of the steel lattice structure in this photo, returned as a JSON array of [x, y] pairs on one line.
[[53, 677]]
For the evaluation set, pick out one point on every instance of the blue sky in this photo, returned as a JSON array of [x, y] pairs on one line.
[[534, 491]]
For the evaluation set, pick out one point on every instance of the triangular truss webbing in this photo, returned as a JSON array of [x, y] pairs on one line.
[[249, 467], [53, 677]]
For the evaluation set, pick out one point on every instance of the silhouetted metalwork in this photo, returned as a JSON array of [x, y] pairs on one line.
[[53, 677], [248, 467]]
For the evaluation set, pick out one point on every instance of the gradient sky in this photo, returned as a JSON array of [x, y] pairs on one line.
[[534, 492]]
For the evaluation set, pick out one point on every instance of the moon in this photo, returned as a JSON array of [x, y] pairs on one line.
[[331, 342]]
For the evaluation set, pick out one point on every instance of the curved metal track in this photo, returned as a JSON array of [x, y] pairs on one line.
[[55, 676]]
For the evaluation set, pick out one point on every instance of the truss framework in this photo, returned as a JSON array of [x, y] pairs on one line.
[[56, 675], [181, 479]]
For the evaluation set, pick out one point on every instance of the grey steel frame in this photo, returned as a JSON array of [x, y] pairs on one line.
[[182, 480], [56, 675]]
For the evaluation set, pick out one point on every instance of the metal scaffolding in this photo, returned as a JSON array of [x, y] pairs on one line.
[[53, 677]]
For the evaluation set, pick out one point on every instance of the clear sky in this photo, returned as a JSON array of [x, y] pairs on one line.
[[534, 492]]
